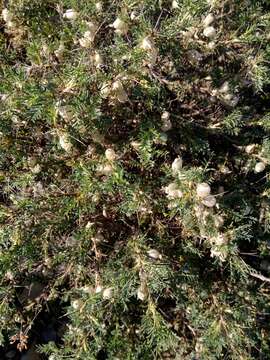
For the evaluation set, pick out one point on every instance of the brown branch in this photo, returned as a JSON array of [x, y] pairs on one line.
[[261, 277]]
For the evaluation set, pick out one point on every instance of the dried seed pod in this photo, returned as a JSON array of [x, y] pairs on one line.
[[98, 60], [177, 165], [87, 289], [133, 15], [209, 32], [259, 167], [36, 169], [99, 6], [64, 142], [221, 239], [85, 42], [110, 155], [105, 90], [203, 190], [119, 91], [107, 293], [230, 99], [165, 115], [98, 289], [219, 221], [209, 201], [70, 14], [222, 255], [77, 304], [199, 211], [208, 20], [172, 191], [148, 46], [175, 4], [250, 148], [106, 169], [154, 254], [120, 27], [88, 37], [142, 292], [166, 122], [135, 144], [98, 238], [6, 15], [60, 51]]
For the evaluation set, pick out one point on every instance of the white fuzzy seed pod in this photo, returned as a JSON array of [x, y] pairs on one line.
[[87, 289], [177, 165], [166, 123], [64, 142], [211, 45], [85, 42], [133, 15], [208, 20], [203, 190], [98, 289], [119, 91], [154, 254], [172, 191], [107, 293], [170, 187], [175, 4], [70, 14], [199, 210], [250, 148], [209, 32], [99, 6], [92, 27], [259, 167], [60, 51], [76, 304], [225, 88], [135, 144], [165, 115], [105, 90], [142, 293], [65, 112], [10, 24], [216, 253], [148, 46], [162, 139], [120, 27], [230, 99], [96, 198], [219, 221], [221, 239], [89, 34], [9, 275], [36, 169], [105, 169], [110, 155], [98, 60], [6, 15], [209, 201]]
